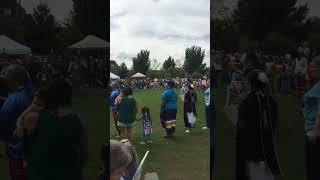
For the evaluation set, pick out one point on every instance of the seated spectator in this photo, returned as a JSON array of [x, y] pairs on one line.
[[132, 167], [120, 159]]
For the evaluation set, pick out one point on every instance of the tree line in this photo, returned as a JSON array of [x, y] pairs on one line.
[[193, 65], [271, 25], [42, 32]]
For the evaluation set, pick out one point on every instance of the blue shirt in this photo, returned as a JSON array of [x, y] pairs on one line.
[[12, 108], [169, 98], [113, 97], [311, 107], [207, 97]]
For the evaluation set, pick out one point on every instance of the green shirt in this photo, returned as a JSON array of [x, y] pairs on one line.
[[127, 114], [52, 150]]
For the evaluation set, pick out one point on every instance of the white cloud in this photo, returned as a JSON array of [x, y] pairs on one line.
[[164, 27]]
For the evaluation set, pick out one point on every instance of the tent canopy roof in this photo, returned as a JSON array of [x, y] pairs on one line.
[[139, 75], [12, 47], [113, 76], [90, 42]]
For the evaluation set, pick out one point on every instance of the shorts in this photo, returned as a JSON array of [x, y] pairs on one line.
[[123, 125]]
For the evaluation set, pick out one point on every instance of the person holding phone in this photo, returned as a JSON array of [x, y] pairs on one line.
[[312, 122]]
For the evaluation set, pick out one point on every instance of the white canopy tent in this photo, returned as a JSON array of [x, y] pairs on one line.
[[114, 77], [90, 42], [139, 75], [11, 47]]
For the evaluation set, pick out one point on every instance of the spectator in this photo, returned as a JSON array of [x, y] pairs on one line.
[[120, 159], [115, 109], [56, 137], [127, 114], [312, 122], [12, 108], [3, 90]]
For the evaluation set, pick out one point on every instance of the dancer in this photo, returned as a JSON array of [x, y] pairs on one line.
[[189, 109], [255, 155], [168, 112]]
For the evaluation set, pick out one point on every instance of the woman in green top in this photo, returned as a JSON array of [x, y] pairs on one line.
[[55, 145], [127, 114]]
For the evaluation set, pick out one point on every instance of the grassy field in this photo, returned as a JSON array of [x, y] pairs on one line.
[[184, 157], [91, 105], [290, 141], [187, 155]]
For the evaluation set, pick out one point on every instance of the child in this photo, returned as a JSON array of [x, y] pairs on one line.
[[146, 125], [37, 105]]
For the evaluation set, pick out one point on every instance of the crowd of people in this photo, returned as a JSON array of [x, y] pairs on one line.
[[124, 107], [253, 78], [147, 83], [125, 111], [286, 72], [43, 137], [81, 71]]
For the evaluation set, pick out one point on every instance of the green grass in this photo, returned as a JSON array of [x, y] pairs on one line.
[[91, 105], [290, 141], [184, 157]]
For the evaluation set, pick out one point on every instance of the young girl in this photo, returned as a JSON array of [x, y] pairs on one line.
[[146, 125]]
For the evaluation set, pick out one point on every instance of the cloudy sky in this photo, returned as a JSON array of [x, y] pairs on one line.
[[59, 8], [165, 27]]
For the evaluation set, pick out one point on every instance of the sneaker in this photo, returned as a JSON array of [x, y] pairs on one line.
[[188, 131], [165, 136], [149, 141], [142, 142], [205, 128]]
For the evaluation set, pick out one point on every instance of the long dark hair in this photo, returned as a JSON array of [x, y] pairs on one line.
[[59, 94], [259, 81]]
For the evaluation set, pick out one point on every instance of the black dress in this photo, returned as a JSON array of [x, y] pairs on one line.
[[189, 105], [256, 125]]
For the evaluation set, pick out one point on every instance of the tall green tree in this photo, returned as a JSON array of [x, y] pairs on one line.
[[92, 16], [114, 67], [69, 33], [141, 63], [43, 30], [169, 63], [256, 18], [123, 71], [194, 57], [155, 64]]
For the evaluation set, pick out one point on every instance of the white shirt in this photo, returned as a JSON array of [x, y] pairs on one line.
[[300, 66]]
